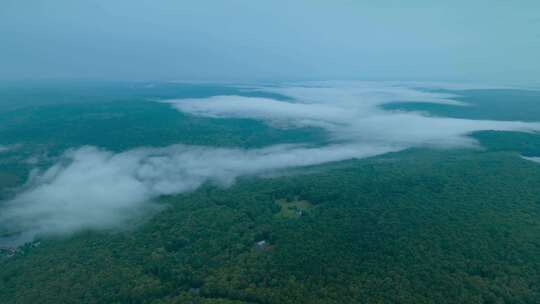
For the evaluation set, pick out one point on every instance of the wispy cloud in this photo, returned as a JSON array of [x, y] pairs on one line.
[[96, 189], [353, 113], [533, 159]]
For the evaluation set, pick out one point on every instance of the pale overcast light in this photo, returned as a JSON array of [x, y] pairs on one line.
[[245, 40]]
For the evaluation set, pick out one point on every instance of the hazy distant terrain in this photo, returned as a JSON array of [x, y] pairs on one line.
[[321, 192]]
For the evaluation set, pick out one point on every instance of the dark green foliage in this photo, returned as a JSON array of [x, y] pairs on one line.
[[411, 227]]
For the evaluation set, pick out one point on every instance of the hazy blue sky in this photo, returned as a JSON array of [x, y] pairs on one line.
[[485, 41]]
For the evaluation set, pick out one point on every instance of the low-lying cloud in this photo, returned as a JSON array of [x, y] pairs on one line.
[[354, 114], [91, 188]]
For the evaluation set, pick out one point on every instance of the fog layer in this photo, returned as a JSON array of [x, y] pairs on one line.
[[90, 188]]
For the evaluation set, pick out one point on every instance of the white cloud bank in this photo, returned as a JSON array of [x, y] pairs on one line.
[[353, 114], [96, 189]]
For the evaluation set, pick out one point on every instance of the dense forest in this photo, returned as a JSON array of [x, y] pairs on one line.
[[412, 227], [417, 226]]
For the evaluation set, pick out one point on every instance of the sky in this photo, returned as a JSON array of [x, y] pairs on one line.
[[271, 40]]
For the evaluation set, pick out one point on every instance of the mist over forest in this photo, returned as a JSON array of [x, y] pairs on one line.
[[160, 152]]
